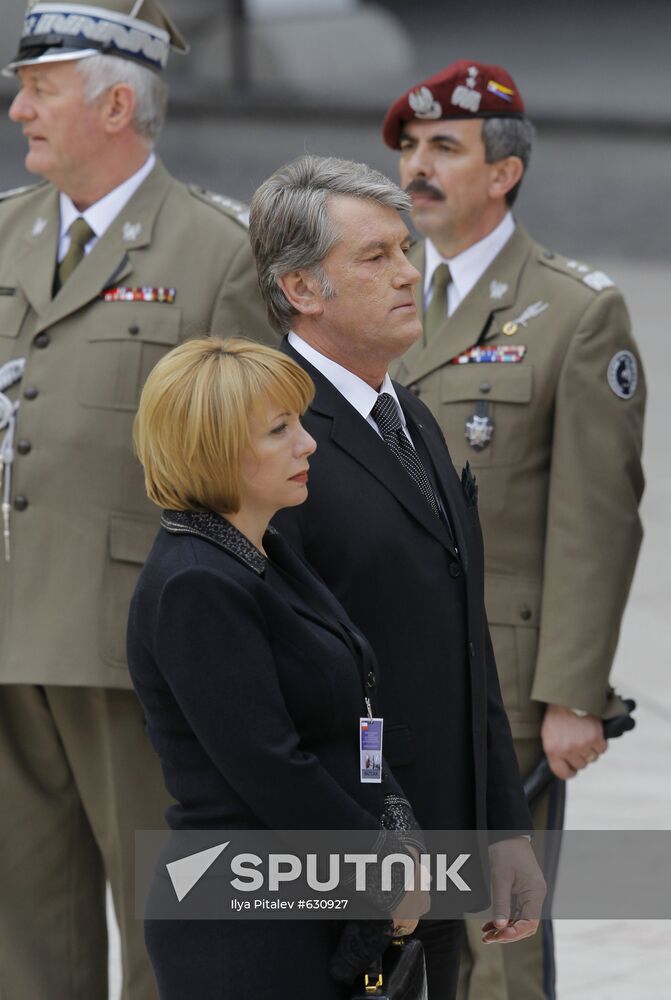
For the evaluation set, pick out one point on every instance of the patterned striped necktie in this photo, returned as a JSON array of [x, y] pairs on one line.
[[385, 415]]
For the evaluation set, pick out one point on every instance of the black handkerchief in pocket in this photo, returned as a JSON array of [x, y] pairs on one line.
[[469, 486]]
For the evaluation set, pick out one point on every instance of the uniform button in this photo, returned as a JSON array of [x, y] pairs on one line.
[[24, 447], [30, 392], [371, 679], [471, 649], [455, 569], [414, 389], [485, 387], [525, 613], [42, 340], [20, 503], [134, 329], [548, 255]]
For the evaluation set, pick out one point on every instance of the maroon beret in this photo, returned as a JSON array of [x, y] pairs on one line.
[[464, 89]]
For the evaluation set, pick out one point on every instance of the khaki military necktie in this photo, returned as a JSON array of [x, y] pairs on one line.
[[80, 234], [436, 314]]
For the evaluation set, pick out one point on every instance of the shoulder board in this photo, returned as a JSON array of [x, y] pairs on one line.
[[15, 192], [234, 209], [584, 273]]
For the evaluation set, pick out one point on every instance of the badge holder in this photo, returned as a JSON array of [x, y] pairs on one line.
[[370, 748]]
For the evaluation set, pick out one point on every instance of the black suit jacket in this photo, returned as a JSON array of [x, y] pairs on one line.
[[374, 540], [252, 699]]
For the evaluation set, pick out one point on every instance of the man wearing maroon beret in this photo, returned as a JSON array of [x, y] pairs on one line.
[[528, 363]]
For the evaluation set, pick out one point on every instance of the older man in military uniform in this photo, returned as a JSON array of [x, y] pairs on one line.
[[103, 268], [528, 363]]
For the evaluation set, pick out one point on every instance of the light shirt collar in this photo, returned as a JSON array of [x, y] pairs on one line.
[[102, 214], [358, 393], [467, 267]]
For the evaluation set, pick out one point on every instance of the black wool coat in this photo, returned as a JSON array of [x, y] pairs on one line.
[[252, 701]]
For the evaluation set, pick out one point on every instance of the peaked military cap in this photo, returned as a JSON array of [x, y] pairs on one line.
[[131, 29], [464, 89]]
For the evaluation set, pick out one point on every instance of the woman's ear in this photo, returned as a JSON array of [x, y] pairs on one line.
[[304, 292]]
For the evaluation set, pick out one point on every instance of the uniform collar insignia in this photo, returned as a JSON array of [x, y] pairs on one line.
[[131, 231], [39, 226], [497, 289]]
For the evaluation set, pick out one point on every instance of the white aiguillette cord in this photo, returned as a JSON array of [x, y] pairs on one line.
[[10, 374]]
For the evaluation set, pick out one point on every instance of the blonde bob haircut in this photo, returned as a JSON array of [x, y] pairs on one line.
[[193, 421]]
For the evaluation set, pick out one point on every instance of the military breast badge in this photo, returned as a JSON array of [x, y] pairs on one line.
[[480, 427], [144, 294], [503, 354]]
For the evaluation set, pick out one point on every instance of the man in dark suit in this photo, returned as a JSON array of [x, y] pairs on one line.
[[387, 524]]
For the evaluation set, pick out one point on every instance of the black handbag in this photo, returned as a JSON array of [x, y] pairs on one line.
[[400, 973]]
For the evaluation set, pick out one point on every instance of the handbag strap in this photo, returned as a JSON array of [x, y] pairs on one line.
[[373, 979]]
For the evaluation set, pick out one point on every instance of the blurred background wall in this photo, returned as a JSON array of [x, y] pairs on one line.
[[317, 75]]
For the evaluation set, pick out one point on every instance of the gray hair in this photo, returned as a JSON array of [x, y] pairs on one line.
[[289, 225], [101, 72], [508, 137]]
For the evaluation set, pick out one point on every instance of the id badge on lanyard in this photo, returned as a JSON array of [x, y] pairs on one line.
[[370, 750]]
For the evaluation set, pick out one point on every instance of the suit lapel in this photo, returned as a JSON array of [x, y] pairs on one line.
[[475, 318], [442, 466], [353, 434], [110, 261], [36, 260], [310, 598]]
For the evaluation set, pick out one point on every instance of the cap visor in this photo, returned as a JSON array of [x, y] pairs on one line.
[[49, 57]]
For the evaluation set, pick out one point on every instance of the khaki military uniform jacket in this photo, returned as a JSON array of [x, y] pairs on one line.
[[81, 525], [560, 479]]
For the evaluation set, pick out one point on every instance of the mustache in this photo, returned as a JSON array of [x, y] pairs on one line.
[[420, 186]]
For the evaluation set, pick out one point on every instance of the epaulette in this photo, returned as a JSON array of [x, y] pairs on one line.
[[234, 209], [16, 192], [596, 280]]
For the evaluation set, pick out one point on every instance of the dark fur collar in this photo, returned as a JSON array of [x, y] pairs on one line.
[[216, 529]]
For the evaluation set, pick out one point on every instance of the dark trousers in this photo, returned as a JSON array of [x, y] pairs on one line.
[[442, 941]]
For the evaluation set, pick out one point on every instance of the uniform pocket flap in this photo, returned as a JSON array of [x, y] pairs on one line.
[[154, 323], [500, 382], [13, 309], [130, 540], [512, 602]]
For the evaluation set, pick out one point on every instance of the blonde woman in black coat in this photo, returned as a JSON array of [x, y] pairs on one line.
[[252, 698]]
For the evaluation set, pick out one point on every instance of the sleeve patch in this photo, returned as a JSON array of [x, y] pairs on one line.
[[623, 374]]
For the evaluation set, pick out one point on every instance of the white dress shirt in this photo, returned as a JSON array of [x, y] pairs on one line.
[[357, 392], [102, 214], [467, 267]]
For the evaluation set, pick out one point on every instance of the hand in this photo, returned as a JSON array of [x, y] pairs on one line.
[[414, 903], [569, 742], [518, 891]]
